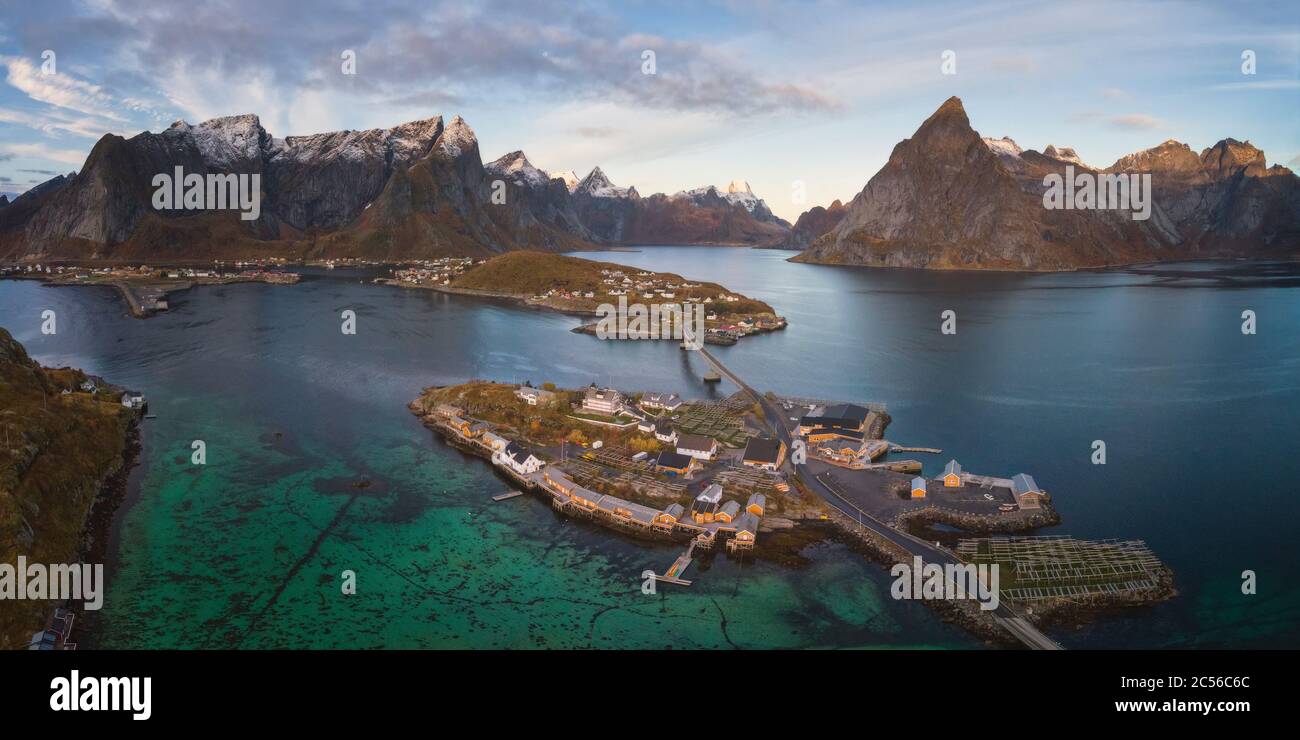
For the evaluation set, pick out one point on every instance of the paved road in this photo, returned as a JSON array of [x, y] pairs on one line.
[[824, 486]]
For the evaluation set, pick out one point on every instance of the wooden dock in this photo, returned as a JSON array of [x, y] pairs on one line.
[[900, 448], [674, 572], [507, 495]]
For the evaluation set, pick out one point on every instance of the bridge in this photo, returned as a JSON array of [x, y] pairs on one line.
[[1019, 627]]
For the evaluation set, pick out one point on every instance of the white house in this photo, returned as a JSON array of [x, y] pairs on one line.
[[697, 446], [665, 401], [518, 458], [665, 433], [534, 396], [602, 401], [133, 400]]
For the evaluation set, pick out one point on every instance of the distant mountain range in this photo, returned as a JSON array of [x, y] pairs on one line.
[[946, 199], [413, 191], [950, 199]]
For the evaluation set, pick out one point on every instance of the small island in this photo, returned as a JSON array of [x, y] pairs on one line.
[[585, 287], [717, 474]]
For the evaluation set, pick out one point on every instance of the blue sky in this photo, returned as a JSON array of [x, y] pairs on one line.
[[766, 91]]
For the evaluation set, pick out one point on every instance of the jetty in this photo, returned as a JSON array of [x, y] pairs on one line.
[[507, 495], [895, 447], [679, 566]]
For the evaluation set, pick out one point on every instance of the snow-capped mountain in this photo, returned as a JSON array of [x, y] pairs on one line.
[[1065, 154], [737, 193], [597, 185], [516, 168], [569, 177]]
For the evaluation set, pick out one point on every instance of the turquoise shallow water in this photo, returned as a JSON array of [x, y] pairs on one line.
[[248, 550]]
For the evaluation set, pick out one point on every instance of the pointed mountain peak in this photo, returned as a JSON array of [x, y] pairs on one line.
[[598, 185], [516, 167], [739, 186], [569, 177], [952, 106], [457, 138], [946, 133]]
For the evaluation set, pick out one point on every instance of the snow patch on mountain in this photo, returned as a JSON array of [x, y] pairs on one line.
[[598, 185], [569, 177], [516, 168], [457, 138], [227, 142], [737, 192], [1065, 154], [1004, 147]]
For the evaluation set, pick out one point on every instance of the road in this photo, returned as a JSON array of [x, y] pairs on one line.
[[1017, 625]]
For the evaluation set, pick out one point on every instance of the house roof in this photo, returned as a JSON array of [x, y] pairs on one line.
[[675, 511], [746, 522], [952, 468], [762, 449], [757, 499], [517, 452], [671, 459], [1023, 483], [697, 442], [703, 507], [731, 508], [712, 493], [918, 483]]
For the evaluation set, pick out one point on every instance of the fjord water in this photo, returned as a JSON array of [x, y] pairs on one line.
[[1199, 422]]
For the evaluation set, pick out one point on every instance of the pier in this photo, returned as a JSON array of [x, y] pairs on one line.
[[893, 447], [679, 566], [507, 495]]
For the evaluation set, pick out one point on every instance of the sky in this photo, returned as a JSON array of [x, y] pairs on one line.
[[803, 100]]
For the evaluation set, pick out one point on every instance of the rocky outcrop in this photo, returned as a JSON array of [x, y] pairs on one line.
[[812, 224], [950, 199]]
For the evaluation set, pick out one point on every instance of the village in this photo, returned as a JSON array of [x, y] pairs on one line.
[[709, 472], [587, 288], [146, 289]]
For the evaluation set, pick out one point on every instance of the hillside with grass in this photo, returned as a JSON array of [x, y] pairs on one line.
[[56, 451], [527, 274]]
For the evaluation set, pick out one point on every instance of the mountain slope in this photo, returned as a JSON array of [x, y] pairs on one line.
[[949, 199], [56, 450], [317, 194]]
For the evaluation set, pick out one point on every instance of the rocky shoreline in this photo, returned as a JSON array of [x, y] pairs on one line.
[[96, 537]]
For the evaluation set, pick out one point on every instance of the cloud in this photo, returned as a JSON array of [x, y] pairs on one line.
[[40, 151], [1136, 121], [6, 156], [426, 55], [61, 90]]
